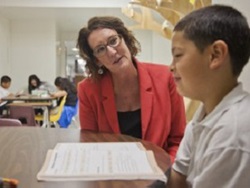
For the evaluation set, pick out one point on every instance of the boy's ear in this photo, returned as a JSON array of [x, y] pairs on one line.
[[219, 53]]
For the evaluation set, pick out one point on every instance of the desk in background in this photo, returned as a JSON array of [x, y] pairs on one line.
[[44, 103], [28, 98], [23, 151]]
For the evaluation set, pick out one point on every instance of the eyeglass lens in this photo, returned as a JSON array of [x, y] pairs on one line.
[[113, 42]]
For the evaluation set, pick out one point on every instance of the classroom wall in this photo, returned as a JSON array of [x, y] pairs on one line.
[[161, 49], [154, 47], [4, 46], [32, 51]]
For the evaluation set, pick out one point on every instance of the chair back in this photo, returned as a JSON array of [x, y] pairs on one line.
[[25, 114], [190, 108], [56, 117], [9, 122]]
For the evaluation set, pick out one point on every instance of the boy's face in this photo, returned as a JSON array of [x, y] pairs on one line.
[[6, 85], [189, 66]]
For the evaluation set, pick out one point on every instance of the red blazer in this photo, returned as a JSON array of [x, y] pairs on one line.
[[162, 108]]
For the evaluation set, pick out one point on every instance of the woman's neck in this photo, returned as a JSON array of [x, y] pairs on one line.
[[126, 88]]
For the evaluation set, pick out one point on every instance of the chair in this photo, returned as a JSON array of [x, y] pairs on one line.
[[75, 118], [54, 117], [25, 114], [9, 122], [190, 107]]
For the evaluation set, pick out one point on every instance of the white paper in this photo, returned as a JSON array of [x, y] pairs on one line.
[[100, 146], [98, 161]]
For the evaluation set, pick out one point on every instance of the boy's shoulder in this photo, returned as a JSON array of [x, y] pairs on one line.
[[232, 125]]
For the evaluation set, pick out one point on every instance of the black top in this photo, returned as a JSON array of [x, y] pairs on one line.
[[71, 99], [130, 123]]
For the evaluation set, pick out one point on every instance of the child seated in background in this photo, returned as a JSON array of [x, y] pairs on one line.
[[65, 87], [34, 83], [4, 91]]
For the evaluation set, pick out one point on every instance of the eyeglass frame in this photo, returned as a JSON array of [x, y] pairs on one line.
[[119, 37]]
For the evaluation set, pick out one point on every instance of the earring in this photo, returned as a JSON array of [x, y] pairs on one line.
[[100, 70]]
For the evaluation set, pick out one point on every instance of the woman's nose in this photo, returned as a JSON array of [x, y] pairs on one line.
[[111, 49]]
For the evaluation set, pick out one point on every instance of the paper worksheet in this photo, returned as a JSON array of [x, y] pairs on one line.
[[100, 161]]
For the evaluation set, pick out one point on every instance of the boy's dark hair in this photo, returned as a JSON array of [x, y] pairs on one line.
[[104, 22], [219, 22], [58, 81], [5, 79], [65, 84]]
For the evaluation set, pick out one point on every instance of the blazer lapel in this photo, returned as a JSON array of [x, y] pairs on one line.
[[108, 102], [146, 97]]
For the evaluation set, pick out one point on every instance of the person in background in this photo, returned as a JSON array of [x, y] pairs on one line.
[[210, 47], [36, 86], [4, 91], [34, 83], [66, 87], [124, 95]]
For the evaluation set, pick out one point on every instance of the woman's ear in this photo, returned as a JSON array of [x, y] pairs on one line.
[[219, 53]]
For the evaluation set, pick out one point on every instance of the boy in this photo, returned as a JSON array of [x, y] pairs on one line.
[[210, 47], [4, 92]]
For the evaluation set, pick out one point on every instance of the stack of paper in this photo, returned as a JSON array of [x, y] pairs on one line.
[[100, 161]]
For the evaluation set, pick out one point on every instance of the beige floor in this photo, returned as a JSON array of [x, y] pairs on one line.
[[75, 123]]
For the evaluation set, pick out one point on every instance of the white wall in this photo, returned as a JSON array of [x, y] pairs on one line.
[[161, 49], [33, 51], [4, 46], [154, 47], [145, 39]]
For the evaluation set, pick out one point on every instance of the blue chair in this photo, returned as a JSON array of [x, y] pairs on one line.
[[67, 115]]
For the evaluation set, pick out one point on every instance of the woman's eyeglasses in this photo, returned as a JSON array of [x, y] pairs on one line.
[[113, 42]]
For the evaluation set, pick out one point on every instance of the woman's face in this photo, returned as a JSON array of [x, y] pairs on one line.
[[114, 58], [33, 82]]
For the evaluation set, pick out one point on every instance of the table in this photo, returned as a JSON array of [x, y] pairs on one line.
[[28, 98], [45, 106], [23, 151], [44, 103]]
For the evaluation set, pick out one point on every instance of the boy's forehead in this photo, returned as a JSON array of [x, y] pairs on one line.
[[179, 35], [179, 40]]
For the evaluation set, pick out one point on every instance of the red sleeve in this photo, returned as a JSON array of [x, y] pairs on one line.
[[87, 117]]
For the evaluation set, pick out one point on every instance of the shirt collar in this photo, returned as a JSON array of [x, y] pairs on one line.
[[234, 96]]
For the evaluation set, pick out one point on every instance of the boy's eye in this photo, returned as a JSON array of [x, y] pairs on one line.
[[177, 55]]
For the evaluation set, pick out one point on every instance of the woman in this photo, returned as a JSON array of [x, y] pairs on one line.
[[65, 87], [36, 84], [123, 95]]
